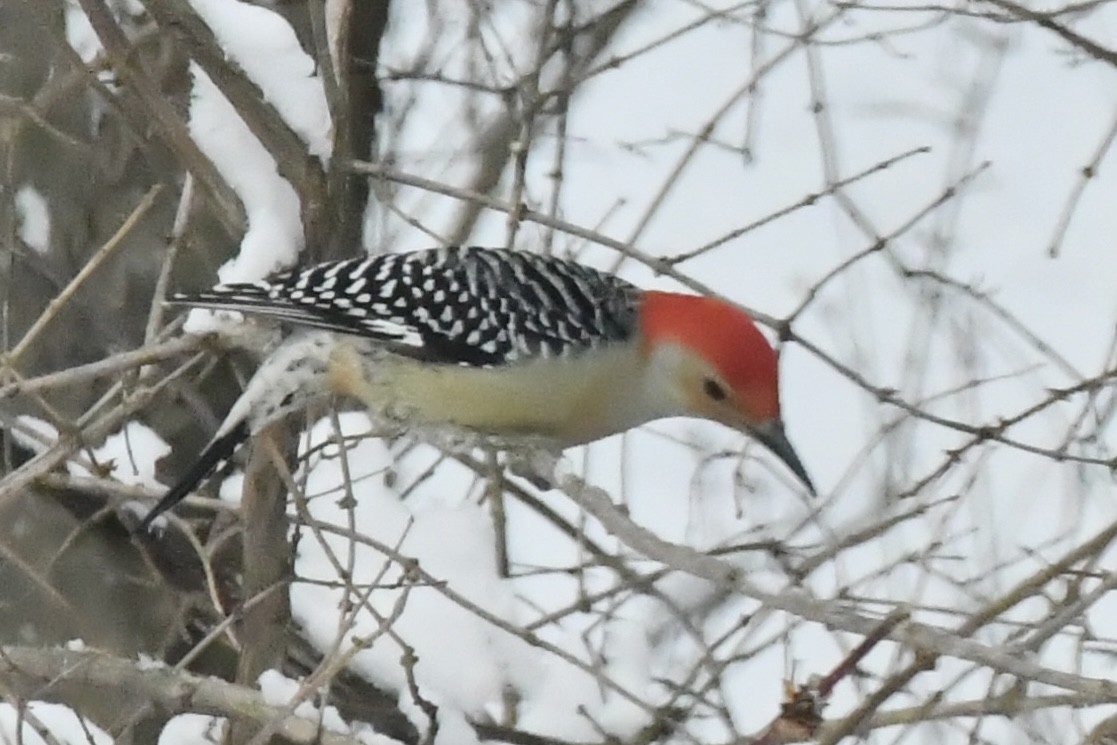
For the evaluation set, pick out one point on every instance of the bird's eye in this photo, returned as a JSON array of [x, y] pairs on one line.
[[714, 389]]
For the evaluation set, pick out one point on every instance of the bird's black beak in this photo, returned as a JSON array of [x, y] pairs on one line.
[[773, 437]]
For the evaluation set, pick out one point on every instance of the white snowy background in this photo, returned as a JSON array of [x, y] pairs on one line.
[[1004, 112]]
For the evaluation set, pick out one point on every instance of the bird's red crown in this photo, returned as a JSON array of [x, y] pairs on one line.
[[726, 337]]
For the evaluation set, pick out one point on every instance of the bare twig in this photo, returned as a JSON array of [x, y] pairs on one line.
[[227, 205], [37, 668], [104, 252]]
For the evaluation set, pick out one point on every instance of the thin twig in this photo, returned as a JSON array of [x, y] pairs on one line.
[[95, 261]]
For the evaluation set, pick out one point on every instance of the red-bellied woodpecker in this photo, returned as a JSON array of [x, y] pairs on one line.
[[497, 342]]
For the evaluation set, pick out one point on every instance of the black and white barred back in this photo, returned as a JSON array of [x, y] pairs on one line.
[[471, 306]]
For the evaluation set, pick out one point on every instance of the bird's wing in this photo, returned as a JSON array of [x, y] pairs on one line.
[[472, 306]]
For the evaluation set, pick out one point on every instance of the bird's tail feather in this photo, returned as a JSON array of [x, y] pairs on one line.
[[216, 454]]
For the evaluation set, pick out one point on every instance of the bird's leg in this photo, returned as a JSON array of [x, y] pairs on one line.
[[534, 459]]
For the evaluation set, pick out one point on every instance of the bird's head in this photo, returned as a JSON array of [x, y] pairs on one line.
[[718, 366]]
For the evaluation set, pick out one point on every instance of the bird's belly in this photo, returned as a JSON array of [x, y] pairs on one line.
[[571, 402]]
